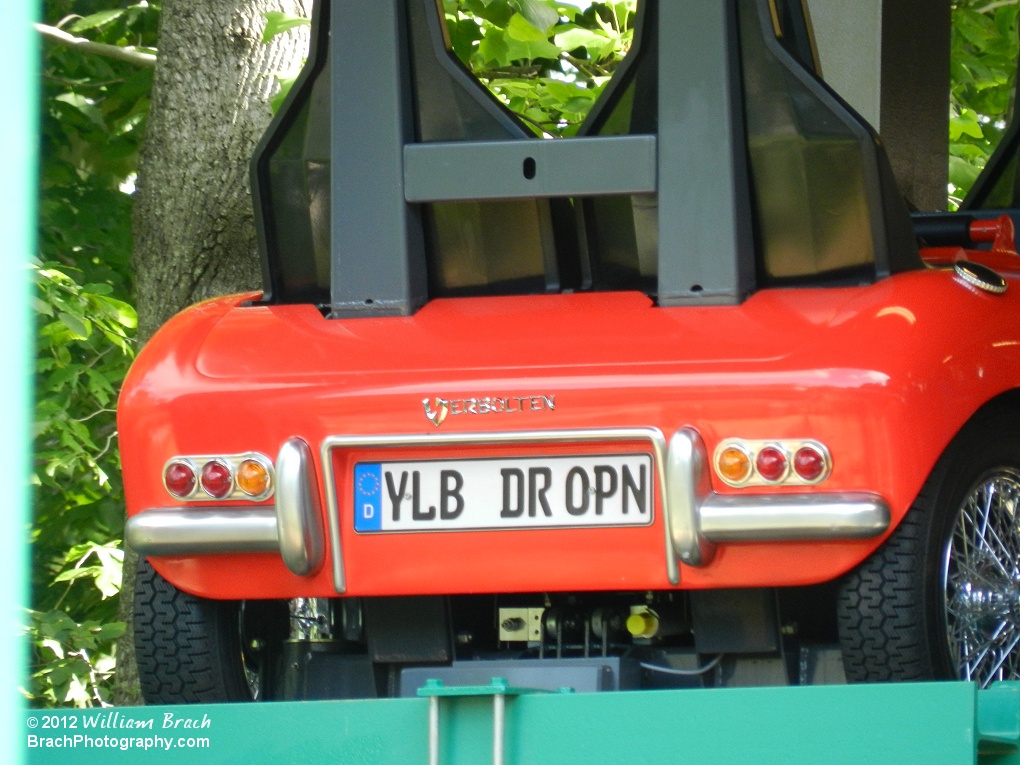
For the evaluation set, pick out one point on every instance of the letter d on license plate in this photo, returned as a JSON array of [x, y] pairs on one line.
[[539, 492]]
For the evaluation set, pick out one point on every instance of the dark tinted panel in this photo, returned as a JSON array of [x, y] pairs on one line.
[[621, 233], [291, 184], [809, 173], [474, 248], [489, 248]]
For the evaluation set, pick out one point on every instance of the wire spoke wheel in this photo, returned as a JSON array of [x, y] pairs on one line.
[[980, 581]]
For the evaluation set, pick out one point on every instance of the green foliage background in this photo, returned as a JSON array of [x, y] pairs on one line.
[[546, 60], [983, 76], [92, 124]]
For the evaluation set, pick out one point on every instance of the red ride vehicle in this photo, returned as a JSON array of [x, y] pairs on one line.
[[691, 399]]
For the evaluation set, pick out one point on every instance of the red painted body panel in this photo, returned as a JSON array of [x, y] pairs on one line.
[[884, 375]]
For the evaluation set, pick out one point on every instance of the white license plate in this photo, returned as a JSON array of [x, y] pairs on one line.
[[523, 493]]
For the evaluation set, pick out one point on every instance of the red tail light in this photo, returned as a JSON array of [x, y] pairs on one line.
[[809, 463], [217, 479], [772, 464], [179, 478]]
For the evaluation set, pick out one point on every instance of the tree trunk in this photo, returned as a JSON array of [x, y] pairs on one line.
[[193, 222]]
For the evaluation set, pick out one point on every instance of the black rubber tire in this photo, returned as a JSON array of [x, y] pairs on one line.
[[188, 649], [891, 610]]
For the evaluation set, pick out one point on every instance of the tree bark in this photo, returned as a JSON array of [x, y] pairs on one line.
[[193, 222], [194, 233]]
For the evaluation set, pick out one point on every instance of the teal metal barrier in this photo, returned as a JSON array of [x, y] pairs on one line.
[[18, 137], [924, 723]]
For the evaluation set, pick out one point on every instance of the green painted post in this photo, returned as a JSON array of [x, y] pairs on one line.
[[18, 58]]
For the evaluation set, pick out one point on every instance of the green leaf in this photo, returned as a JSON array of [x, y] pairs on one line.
[[55, 623], [531, 51], [286, 83], [514, 87], [55, 646], [578, 105], [42, 307], [540, 14], [977, 154], [84, 106], [562, 92], [110, 632], [277, 23], [118, 311], [97, 19], [522, 30], [78, 327], [63, 377], [597, 43], [465, 34], [962, 173], [496, 12], [965, 123], [494, 51]]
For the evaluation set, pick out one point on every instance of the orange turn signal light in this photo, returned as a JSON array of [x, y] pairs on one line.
[[253, 478], [734, 464]]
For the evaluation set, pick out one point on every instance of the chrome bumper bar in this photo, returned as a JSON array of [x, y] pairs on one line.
[[173, 531], [695, 519], [803, 517]]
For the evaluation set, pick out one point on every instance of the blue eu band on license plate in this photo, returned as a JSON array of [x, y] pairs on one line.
[[518, 493]]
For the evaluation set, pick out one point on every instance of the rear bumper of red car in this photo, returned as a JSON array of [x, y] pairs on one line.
[[694, 518]]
